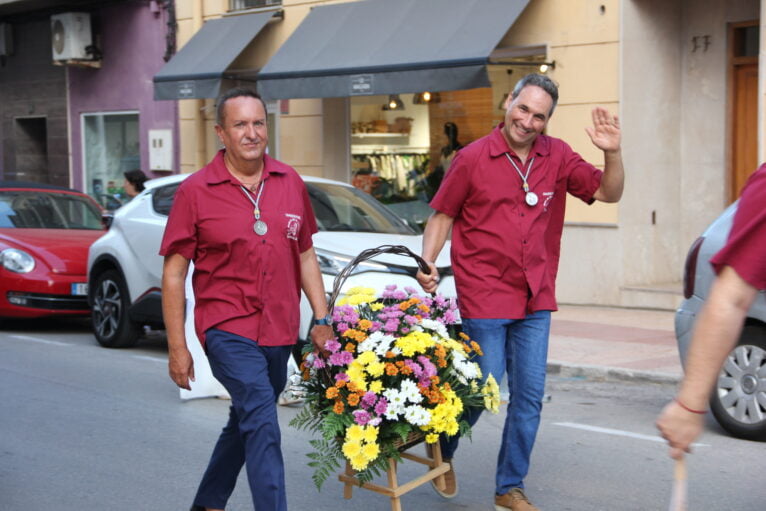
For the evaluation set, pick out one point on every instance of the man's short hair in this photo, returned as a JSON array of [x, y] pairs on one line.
[[236, 92], [541, 81]]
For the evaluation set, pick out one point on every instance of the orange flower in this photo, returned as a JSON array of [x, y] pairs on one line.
[[352, 387], [390, 354], [391, 369], [365, 324], [477, 348], [350, 347], [340, 384], [435, 380], [463, 335], [338, 407], [441, 363], [331, 393], [467, 347], [400, 363], [353, 399], [405, 369]]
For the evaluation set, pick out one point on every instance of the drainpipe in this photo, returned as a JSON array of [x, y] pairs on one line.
[[762, 87], [199, 108]]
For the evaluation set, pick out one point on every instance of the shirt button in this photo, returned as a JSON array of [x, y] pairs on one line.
[[525, 242], [522, 214]]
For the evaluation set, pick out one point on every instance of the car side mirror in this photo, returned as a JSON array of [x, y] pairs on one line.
[[106, 220]]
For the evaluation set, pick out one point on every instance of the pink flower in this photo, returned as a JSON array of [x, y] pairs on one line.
[[369, 399], [411, 320], [341, 358], [341, 377], [361, 417], [381, 406], [332, 345], [318, 363], [391, 325]]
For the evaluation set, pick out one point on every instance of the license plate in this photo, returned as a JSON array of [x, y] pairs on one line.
[[80, 289]]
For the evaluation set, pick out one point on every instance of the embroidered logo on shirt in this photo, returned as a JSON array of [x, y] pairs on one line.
[[293, 226], [548, 196]]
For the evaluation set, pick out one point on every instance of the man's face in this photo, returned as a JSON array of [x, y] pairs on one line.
[[527, 115], [244, 132]]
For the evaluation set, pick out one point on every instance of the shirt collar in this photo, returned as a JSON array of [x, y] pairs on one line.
[[219, 173], [498, 146]]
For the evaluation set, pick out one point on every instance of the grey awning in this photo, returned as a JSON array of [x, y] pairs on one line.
[[388, 47], [198, 69]]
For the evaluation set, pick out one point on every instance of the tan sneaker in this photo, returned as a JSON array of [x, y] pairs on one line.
[[450, 482], [514, 500]]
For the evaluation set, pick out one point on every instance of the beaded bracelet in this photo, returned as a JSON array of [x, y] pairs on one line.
[[701, 412]]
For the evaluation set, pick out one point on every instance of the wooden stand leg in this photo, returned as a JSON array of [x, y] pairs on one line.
[[396, 503], [436, 458], [348, 487]]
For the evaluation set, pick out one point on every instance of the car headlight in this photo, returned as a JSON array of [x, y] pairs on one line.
[[333, 264], [17, 260]]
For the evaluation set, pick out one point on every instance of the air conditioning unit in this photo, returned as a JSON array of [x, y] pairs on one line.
[[70, 36]]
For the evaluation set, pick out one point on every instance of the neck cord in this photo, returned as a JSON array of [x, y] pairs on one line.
[[256, 211], [523, 177]]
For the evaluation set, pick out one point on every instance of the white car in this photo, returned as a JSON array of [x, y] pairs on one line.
[[125, 270]]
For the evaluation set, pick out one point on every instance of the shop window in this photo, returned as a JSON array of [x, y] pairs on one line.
[[110, 147], [746, 41], [238, 5]]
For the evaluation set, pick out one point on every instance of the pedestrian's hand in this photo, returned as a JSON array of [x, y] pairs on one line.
[[605, 133], [680, 428], [320, 334], [181, 368], [429, 282]]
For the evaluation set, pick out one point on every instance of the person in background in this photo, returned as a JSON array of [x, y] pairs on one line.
[[446, 154], [134, 182], [503, 199], [741, 269]]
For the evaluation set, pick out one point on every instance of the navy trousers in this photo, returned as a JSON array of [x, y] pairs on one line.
[[254, 376]]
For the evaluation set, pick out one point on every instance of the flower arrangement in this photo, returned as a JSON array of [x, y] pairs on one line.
[[393, 372]]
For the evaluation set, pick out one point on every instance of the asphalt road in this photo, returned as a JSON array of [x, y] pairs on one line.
[[83, 427]]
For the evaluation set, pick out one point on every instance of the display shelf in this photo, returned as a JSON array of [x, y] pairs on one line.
[[379, 135]]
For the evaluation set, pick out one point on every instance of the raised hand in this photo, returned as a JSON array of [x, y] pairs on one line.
[[605, 132]]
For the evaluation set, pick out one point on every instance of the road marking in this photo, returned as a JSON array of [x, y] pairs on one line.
[[37, 339], [618, 432], [151, 359]]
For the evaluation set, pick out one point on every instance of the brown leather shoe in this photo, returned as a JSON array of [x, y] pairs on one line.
[[514, 500], [450, 482]]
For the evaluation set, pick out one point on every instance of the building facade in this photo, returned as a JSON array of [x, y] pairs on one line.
[[683, 76]]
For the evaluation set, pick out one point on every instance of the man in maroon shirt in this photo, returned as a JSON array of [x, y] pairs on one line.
[[246, 221], [504, 198], [741, 268]]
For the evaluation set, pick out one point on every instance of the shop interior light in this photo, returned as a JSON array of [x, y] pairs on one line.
[[542, 67], [394, 103], [423, 98]]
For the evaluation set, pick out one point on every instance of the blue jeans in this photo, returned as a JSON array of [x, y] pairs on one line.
[[520, 348], [254, 376]]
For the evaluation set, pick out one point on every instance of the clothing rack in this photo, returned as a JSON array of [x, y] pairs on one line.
[[399, 170]]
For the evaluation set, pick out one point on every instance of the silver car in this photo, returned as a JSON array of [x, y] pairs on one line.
[[738, 401]]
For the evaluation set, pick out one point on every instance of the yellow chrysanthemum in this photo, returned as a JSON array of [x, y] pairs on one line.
[[370, 451], [432, 438], [491, 392], [376, 386], [359, 462], [376, 369], [371, 434], [355, 433], [352, 449], [376, 306], [366, 358]]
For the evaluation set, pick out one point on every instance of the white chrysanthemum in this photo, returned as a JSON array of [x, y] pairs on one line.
[[464, 367], [417, 415], [371, 343], [435, 326], [396, 350], [396, 403], [409, 390], [384, 344]]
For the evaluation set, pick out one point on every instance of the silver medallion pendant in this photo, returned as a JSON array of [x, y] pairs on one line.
[[260, 228], [531, 198]]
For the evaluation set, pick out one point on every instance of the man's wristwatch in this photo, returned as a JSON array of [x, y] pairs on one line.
[[327, 320]]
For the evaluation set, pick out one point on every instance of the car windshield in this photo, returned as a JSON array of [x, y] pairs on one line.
[[343, 208], [23, 209]]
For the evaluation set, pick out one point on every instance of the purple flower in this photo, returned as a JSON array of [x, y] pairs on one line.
[[449, 317], [429, 369], [341, 376], [369, 399], [411, 290], [416, 369], [391, 325], [405, 330], [376, 325], [341, 327], [318, 363], [400, 295], [440, 300], [361, 417], [341, 358], [332, 345], [411, 320], [381, 406]]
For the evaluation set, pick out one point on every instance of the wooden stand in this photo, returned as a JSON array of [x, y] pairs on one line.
[[437, 468]]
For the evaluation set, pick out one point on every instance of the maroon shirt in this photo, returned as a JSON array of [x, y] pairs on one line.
[[505, 253], [243, 283], [745, 249]]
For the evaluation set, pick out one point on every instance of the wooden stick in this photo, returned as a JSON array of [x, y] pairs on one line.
[[678, 496]]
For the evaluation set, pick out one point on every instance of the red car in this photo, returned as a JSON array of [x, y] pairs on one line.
[[45, 233]]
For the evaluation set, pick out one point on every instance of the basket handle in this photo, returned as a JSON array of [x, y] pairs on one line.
[[341, 277]]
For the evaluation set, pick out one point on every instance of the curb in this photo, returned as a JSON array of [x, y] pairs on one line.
[[602, 373]]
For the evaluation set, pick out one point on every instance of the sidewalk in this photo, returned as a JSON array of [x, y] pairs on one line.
[[614, 343]]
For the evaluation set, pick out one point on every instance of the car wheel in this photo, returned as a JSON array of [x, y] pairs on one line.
[[739, 399], [111, 325]]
